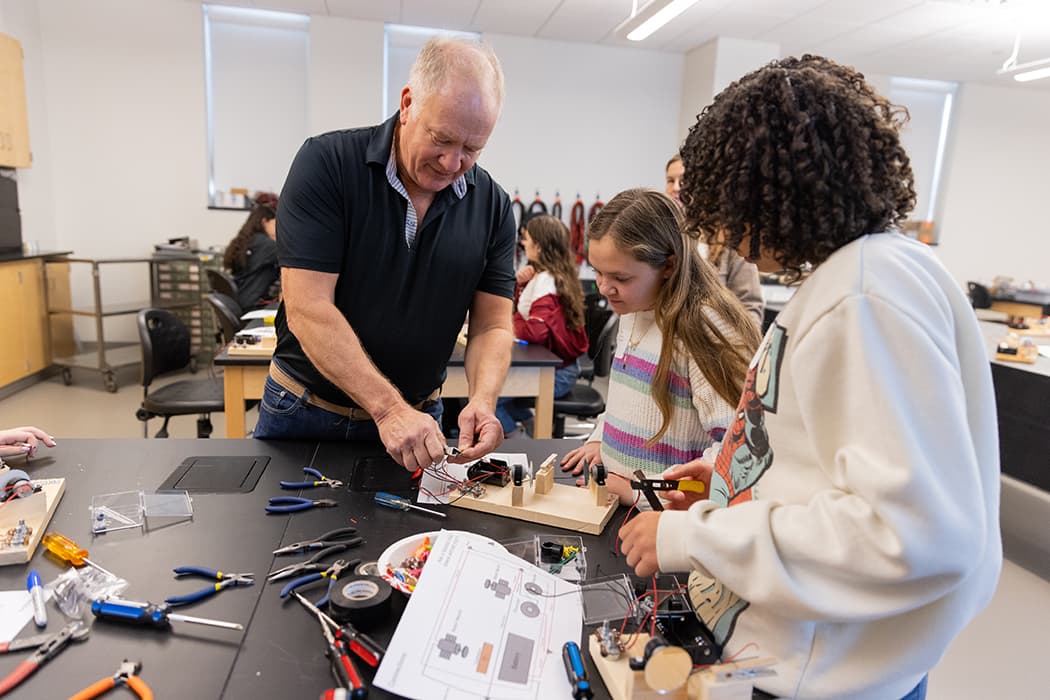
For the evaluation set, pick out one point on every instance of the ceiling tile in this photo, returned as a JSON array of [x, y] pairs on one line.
[[809, 32], [443, 14], [305, 7], [370, 10], [859, 11], [513, 16], [584, 20]]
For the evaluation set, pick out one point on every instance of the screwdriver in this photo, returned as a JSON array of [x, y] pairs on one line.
[[391, 501], [68, 550], [151, 614]]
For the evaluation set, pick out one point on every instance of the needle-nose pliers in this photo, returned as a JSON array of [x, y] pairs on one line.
[[224, 581], [294, 504], [319, 480]]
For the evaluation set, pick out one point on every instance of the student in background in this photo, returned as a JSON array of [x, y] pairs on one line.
[[549, 310], [252, 255], [16, 442], [684, 342], [736, 273], [852, 524]]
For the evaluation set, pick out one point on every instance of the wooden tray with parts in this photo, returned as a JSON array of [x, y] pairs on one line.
[[36, 511], [543, 501]]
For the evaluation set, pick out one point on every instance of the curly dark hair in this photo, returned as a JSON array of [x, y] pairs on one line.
[[802, 156]]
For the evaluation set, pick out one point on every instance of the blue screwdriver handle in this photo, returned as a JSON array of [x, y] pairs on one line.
[[391, 501], [152, 615], [301, 581]]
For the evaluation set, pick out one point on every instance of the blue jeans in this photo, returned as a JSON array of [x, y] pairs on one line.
[[285, 416], [511, 410], [919, 691]]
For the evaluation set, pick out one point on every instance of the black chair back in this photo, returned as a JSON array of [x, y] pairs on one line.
[[165, 343], [603, 349], [979, 295], [222, 283], [227, 313]]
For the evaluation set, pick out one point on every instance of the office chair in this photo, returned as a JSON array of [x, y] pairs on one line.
[[596, 313], [227, 313], [583, 400], [222, 283], [166, 348], [980, 297]]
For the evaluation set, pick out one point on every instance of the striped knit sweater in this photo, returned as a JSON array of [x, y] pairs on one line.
[[699, 416]]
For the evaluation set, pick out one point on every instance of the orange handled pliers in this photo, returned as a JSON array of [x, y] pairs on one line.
[[127, 675]]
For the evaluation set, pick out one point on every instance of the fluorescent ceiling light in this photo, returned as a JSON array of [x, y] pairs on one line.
[[651, 17], [1033, 75], [1033, 70]]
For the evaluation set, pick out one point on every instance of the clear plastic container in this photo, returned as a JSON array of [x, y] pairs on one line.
[[131, 509]]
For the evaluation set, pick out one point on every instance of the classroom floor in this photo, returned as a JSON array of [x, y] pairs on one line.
[[1000, 655]]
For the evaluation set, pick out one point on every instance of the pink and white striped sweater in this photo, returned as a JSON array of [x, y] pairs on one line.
[[699, 416]]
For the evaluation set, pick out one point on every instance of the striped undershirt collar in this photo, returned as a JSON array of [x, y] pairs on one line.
[[459, 188]]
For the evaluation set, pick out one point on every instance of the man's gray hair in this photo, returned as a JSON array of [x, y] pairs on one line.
[[446, 58]]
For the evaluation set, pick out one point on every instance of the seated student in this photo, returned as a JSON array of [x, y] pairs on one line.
[[252, 255], [549, 310], [736, 273], [683, 344], [861, 473], [16, 442]]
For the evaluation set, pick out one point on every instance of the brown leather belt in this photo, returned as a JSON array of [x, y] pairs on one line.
[[288, 383]]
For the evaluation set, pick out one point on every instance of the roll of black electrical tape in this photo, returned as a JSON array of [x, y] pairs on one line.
[[363, 601], [368, 568]]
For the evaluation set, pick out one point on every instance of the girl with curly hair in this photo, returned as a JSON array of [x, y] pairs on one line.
[[252, 255], [851, 528], [683, 344], [548, 311]]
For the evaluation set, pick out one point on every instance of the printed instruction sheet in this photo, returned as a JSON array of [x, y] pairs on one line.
[[482, 624]]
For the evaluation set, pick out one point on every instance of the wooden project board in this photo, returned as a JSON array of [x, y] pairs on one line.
[[567, 507], [36, 510], [621, 682]]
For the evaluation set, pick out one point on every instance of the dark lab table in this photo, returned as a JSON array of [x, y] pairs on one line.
[[280, 654]]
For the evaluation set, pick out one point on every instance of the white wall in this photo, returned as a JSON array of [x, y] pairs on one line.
[[995, 207]]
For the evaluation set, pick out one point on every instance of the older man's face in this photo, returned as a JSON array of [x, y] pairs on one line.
[[442, 137]]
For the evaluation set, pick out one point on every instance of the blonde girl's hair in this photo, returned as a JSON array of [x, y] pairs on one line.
[[552, 240], [648, 226]]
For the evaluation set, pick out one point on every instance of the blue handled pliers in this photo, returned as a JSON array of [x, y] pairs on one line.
[[320, 480], [224, 581], [314, 563], [293, 504], [331, 573]]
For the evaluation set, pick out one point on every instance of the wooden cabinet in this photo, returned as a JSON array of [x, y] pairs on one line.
[[14, 120], [24, 349]]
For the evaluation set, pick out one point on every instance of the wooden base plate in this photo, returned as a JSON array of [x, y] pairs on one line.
[[567, 507], [36, 510]]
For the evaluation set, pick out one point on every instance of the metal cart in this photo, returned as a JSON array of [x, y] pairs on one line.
[[105, 356]]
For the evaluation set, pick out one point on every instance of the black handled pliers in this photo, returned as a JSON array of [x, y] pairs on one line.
[[314, 563], [337, 536]]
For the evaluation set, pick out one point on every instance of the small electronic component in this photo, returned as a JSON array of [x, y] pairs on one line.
[[16, 536], [489, 471], [609, 641]]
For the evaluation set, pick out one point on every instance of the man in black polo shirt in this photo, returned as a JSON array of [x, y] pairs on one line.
[[387, 237]]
